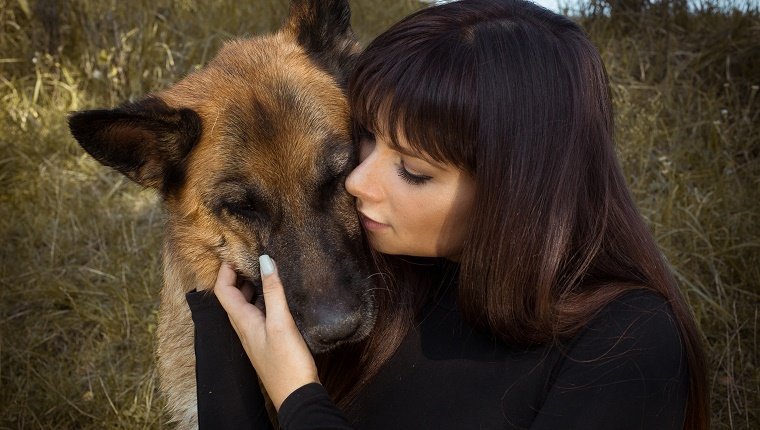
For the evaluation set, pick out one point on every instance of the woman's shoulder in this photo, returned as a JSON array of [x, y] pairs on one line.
[[637, 311], [628, 363], [637, 326]]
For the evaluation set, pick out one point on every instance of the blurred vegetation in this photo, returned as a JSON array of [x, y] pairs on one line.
[[685, 87], [80, 264]]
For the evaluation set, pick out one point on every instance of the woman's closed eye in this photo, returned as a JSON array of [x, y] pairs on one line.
[[411, 178]]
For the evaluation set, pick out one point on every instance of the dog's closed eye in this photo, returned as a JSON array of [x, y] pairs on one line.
[[233, 196], [246, 209]]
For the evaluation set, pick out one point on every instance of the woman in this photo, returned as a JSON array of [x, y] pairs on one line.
[[524, 289]]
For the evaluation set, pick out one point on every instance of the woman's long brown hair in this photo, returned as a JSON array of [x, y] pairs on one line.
[[518, 97]]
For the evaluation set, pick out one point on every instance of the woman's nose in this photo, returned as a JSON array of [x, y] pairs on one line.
[[360, 182]]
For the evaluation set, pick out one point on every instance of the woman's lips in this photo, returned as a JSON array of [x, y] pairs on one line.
[[371, 224]]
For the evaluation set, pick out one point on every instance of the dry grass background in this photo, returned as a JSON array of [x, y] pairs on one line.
[[79, 262]]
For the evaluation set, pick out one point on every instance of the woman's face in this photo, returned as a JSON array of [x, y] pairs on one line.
[[409, 204]]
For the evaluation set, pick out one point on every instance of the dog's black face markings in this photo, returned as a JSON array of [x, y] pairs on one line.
[[301, 226], [306, 225], [146, 141]]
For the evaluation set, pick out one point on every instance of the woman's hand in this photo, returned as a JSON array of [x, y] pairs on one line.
[[273, 343]]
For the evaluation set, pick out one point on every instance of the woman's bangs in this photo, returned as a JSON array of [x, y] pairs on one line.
[[415, 92]]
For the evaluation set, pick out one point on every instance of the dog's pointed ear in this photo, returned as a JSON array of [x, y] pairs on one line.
[[323, 28], [147, 141]]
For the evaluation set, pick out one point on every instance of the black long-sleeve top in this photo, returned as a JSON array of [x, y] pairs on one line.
[[625, 370]]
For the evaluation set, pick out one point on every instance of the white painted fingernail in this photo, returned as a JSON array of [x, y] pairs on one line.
[[266, 266]]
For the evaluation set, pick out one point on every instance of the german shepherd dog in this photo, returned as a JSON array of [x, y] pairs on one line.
[[250, 154]]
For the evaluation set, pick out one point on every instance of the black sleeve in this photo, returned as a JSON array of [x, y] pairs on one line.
[[627, 370], [229, 396], [309, 407]]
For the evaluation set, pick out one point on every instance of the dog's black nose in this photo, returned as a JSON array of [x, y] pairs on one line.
[[331, 324], [336, 327]]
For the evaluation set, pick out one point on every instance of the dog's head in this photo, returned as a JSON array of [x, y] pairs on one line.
[[250, 154]]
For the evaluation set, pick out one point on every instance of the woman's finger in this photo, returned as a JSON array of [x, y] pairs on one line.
[[274, 294], [226, 276], [232, 299]]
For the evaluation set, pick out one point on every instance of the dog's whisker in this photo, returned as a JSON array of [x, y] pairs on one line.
[[376, 274]]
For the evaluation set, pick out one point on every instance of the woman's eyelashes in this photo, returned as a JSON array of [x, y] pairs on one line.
[[409, 177]]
